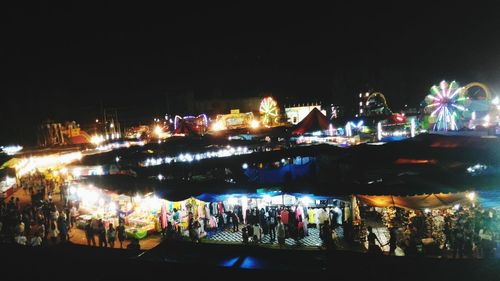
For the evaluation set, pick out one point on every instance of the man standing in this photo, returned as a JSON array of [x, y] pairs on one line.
[[101, 232], [235, 221], [272, 226], [89, 233], [281, 234]]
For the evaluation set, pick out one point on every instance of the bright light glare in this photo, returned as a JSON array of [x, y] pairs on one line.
[[11, 150], [471, 196]]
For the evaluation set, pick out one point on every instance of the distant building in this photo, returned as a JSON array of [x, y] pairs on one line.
[[295, 113]]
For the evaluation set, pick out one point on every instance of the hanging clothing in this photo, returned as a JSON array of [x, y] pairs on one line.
[[207, 210], [284, 216], [220, 208], [299, 211], [201, 211], [311, 214], [177, 205]]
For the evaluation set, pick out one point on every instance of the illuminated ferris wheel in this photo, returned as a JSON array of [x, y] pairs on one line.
[[269, 111], [446, 104]]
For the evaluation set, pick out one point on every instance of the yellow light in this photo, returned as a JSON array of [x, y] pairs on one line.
[[218, 126], [471, 196], [254, 124], [96, 140], [158, 131]]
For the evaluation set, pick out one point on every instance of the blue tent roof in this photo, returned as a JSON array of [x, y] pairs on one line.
[[489, 199]]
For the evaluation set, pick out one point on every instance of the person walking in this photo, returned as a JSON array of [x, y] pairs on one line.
[[372, 237], [62, 227], [235, 221], [272, 227], [121, 233], [53, 233], [101, 233], [89, 233], [281, 234], [111, 236]]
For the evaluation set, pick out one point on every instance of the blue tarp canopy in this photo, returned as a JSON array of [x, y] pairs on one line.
[[489, 199]]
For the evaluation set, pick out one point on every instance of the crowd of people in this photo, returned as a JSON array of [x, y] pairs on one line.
[[276, 223], [43, 223], [33, 225], [464, 233]]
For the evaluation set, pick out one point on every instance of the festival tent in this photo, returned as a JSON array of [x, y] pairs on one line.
[[313, 122], [438, 200]]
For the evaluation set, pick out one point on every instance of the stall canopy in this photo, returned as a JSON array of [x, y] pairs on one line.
[[439, 200], [489, 199], [313, 122], [208, 197]]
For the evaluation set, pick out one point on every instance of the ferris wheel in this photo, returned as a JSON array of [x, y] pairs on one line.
[[269, 111], [446, 105]]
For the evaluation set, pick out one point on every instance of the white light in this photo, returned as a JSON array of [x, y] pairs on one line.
[[427, 210], [471, 196], [456, 207], [412, 127], [117, 159], [379, 131], [77, 172], [218, 126], [158, 131], [160, 177], [283, 161], [232, 201], [254, 124], [11, 150], [306, 200], [244, 166], [495, 101]]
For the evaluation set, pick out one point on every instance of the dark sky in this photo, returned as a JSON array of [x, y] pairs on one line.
[[64, 61]]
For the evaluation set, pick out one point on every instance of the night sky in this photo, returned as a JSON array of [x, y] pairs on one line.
[[66, 61]]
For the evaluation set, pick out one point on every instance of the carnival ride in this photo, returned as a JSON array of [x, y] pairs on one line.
[[376, 104], [269, 112], [449, 107], [190, 124], [481, 110]]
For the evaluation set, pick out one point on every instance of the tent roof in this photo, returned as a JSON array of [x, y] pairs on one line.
[[314, 121], [439, 200]]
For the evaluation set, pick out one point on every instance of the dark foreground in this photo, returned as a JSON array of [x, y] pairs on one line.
[[187, 261]]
